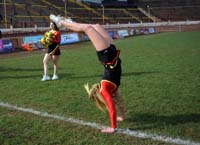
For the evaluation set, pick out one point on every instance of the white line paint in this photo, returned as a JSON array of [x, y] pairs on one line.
[[138, 134]]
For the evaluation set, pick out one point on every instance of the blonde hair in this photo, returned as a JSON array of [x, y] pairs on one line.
[[95, 95]]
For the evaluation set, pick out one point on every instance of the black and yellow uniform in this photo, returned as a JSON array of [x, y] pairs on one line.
[[112, 63]]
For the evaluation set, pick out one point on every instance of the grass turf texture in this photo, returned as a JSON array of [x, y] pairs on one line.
[[160, 84]]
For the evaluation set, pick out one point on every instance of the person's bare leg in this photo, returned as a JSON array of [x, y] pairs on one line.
[[99, 42], [55, 59], [103, 32], [46, 59]]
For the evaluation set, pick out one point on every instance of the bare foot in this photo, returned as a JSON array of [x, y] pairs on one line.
[[108, 130], [120, 119]]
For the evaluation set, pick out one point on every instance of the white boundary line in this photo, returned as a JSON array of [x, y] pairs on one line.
[[98, 126]]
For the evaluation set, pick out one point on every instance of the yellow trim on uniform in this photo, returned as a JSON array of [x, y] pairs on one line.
[[54, 50], [114, 65]]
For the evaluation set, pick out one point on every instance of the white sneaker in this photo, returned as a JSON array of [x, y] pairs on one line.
[[68, 20], [56, 19], [45, 78], [55, 77]]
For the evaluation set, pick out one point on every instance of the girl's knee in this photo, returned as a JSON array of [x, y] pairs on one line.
[[45, 61], [97, 25], [87, 28]]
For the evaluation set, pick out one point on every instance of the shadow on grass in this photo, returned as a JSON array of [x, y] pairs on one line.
[[20, 77], [138, 73], [24, 76], [148, 121], [65, 76], [100, 75], [4, 69]]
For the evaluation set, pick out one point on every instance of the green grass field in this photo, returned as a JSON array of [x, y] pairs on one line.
[[160, 86]]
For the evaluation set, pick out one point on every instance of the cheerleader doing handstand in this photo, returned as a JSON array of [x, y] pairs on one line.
[[107, 92]]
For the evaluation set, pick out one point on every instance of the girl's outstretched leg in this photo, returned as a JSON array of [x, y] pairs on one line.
[[99, 42], [103, 32]]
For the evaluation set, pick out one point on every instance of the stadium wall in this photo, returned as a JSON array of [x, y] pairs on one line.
[[10, 42]]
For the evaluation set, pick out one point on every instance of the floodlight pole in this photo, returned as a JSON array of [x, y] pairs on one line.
[[102, 13], [148, 8], [5, 13], [65, 8]]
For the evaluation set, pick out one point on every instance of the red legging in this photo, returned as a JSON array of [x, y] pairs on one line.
[[107, 89]]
